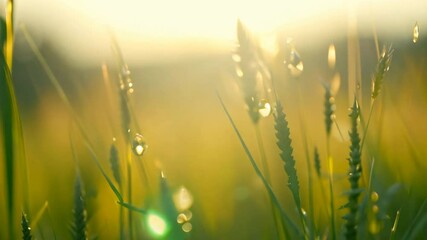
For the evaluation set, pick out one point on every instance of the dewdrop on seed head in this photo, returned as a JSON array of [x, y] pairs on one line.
[[126, 83], [416, 33], [293, 60], [138, 145], [264, 108]]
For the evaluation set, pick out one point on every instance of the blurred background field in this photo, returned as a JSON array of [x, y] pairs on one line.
[[179, 55]]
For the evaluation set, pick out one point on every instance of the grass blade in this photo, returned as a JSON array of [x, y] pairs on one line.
[[395, 224], [270, 191]]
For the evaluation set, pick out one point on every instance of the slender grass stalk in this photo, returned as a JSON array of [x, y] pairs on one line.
[[317, 167], [417, 223], [284, 143], [133, 208], [382, 67], [79, 226], [40, 213], [395, 224], [54, 81], [129, 182], [115, 167], [266, 172], [308, 162], [13, 141], [258, 171], [25, 226], [8, 47], [355, 171], [248, 70]]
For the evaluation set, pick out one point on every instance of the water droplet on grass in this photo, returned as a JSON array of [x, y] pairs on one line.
[[264, 108], [416, 33], [138, 145]]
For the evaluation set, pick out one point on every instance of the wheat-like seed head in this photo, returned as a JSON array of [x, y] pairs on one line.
[[355, 171], [248, 70], [329, 111], [115, 164], [284, 143], [382, 67], [79, 226], [26, 229]]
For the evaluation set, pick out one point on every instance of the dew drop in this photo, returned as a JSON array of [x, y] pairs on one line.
[[264, 108], [138, 145], [187, 227], [416, 33], [295, 63]]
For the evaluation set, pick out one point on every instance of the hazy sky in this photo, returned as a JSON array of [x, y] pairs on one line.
[[167, 29]]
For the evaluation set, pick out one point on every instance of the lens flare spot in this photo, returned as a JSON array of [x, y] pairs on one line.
[[156, 224], [331, 56], [183, 199], [187, 227]]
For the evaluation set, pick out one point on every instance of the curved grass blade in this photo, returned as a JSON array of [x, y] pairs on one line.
[[270, 191], [395, 224], [54, 81]]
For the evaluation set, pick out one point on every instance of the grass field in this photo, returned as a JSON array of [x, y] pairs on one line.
[[311, 139]]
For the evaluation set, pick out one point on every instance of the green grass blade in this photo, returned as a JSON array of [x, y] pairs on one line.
[[418, 221], [270, 191], [133, 208], [54, 81], [395, 224]]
